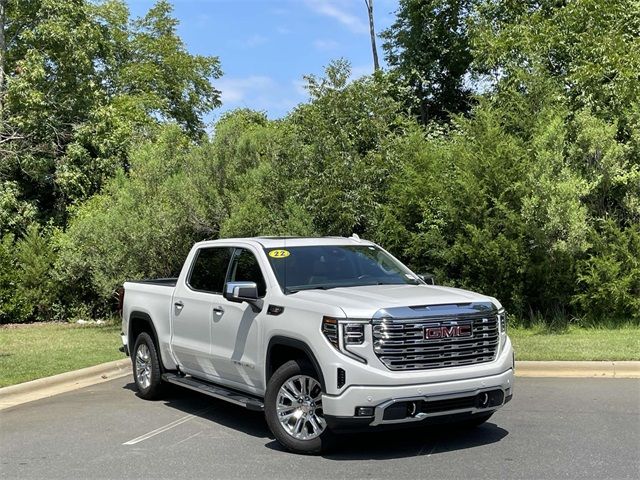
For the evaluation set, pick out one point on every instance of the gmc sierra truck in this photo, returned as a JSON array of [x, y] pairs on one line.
[[322, 334]]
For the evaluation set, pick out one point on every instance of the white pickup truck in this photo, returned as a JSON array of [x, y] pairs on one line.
[[323, 334]]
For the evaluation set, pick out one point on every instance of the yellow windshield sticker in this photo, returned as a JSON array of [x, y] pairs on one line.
[[279, 253]]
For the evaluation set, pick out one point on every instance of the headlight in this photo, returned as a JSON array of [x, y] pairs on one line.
[[330, 330], [344, 333], [502, 320]]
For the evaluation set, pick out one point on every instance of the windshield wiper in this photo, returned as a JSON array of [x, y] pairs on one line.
[[318, 287], [329, 287]]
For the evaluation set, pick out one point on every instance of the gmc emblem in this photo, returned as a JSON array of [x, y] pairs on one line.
[[463, 330]]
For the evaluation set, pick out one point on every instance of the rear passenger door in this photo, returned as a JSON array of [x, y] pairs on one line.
[[194, 310]]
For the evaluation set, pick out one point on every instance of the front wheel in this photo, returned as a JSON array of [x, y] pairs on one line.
[[146, 367], [293, 408]]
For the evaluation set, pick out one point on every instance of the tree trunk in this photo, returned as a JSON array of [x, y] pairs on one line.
[[372, 31]]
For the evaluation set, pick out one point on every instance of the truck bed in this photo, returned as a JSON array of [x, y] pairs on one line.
[[162, 282]]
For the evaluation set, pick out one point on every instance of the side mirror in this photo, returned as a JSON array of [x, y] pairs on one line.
[[241, 292], [427, 278]]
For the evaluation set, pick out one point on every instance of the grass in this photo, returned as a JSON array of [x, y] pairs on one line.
[[33, 351], [576, 343]]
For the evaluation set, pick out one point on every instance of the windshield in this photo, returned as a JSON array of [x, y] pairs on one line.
[[332, 266]]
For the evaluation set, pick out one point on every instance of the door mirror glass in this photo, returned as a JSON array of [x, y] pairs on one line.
[[241, 292]]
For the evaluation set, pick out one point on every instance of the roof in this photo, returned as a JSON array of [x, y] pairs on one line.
[[281, 242]]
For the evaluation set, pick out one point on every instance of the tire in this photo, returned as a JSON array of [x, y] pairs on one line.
[[146, 367], [293, 408]]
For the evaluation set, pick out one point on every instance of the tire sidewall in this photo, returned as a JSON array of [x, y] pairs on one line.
[[291, 369], [153, 389]]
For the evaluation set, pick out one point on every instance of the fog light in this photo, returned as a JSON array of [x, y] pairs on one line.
[[492, 398], [364, 411]]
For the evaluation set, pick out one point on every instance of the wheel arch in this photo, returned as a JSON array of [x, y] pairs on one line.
[[141, 322], [282, 349]]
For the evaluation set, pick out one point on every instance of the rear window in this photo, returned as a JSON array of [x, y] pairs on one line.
[[209, 269]]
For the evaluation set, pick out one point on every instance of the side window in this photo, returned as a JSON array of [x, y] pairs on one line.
[[209, 269], [245, 268]]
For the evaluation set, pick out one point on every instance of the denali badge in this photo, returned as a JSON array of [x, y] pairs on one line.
[[463, 330]]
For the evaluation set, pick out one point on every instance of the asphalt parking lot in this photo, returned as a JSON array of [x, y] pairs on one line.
[[554, 428]]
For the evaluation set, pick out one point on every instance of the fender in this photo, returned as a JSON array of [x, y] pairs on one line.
[[293, 343], [135, 315]]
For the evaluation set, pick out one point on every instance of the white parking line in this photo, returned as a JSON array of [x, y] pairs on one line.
[[160, 430], [188, 438]]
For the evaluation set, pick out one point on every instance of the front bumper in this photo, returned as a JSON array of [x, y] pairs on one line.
[[424, 401]]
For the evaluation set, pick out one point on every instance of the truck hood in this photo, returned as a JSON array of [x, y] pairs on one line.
[[365, 301]]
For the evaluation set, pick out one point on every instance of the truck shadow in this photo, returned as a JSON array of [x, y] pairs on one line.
[[370, 445], [218, 411], [408, 442], [413, 442]]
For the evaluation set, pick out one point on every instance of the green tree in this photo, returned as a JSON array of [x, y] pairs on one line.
[[427, 47], [489, 208], [344, 156], [82, 81], [142, 225], [591, 47]]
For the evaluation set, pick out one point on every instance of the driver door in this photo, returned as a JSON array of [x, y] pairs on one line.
[[236, 330]]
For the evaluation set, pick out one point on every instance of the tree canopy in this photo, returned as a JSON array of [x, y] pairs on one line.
[[82, 80]]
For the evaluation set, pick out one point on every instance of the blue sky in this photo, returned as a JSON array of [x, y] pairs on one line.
[[266, 46]]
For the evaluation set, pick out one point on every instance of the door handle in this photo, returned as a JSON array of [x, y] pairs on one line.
[[179, 305], [218, 310]]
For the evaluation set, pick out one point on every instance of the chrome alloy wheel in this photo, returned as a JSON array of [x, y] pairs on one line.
[[299, 407], [143, 366]]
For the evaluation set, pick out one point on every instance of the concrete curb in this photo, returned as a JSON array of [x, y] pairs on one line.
[[578, 369], [64, 382], [69, 381]]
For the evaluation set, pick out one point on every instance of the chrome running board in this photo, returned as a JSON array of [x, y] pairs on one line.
[[216, 391]]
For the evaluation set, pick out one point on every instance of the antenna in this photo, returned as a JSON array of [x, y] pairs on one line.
[[355, 237]]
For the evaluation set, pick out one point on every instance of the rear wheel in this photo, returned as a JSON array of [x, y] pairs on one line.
[[293, 408], [146, 367]]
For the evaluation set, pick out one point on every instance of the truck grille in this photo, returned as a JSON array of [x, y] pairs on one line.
[[401, 344]]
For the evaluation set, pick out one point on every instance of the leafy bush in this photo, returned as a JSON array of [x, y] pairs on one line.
[[28, 291], [11, 307], [142, 225], [609, 279]]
